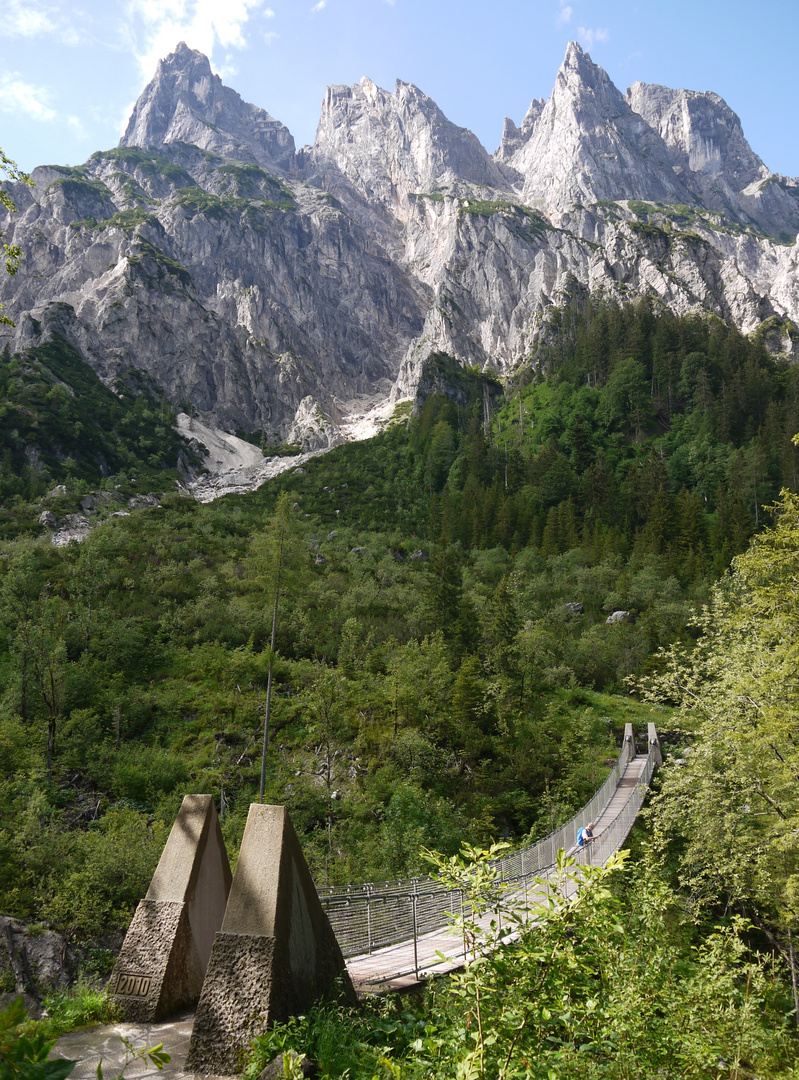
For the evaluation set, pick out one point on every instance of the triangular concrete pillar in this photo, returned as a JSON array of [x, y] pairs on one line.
[[276, 953], [162, 964]]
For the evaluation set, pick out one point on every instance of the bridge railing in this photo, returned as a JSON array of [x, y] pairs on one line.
[[373, 915]]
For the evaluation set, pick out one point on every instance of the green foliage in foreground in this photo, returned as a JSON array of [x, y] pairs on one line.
[[24, 1057], [608, 981], [11, 253], [80, 1005], [25, 1045], [730, 804]]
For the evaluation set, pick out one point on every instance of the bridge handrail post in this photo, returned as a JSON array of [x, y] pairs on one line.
[[654, 743], [463, 925], [629, 742], [415, 935], [369, 921]]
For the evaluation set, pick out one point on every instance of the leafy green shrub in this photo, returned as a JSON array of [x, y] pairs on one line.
[[110, 869], [605, 981], [25, 1057], [82, 1004], [129, 220], [140, 773]]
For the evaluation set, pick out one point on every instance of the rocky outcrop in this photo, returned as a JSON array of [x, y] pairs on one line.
[[703, 135], [34, 959], [619, 617], [514, 138], [708, 150]]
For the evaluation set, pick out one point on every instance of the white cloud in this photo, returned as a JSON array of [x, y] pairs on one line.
[[31, 19], [270, 36], [158, 26], [319, 7], [228, 70], [26, 20], [76, 124], [564, 16], [590, 37], [17, 96], [268, 13]]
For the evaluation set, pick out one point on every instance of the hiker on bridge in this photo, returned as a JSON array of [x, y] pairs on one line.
[[586, 835]]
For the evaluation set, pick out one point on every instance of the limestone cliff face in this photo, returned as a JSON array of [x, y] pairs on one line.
[[290, 292], [514, 138], [238, 293], [709, 151]]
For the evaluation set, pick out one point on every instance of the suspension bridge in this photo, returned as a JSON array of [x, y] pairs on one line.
[[394, 933]]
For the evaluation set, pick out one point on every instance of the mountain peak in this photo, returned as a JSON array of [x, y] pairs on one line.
[[391, 144], [702, 132], [186, 102], [182, 51], [709, 151], [574, 55], [514, 138], [578, 71], [588, 144]]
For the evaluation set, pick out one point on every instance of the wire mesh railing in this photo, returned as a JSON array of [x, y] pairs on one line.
[[374, 915]]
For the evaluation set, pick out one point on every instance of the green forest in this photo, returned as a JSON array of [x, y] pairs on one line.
[[444, 674]]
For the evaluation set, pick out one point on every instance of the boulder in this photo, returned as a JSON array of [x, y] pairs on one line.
[[73, 527], [39, 959], [141, 502], [618, 616], [277, 1066]]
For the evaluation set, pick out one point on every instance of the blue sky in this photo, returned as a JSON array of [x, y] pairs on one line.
[[69, 72]]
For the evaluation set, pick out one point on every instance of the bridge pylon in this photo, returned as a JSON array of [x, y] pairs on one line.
[[276, 953], [162, 963]]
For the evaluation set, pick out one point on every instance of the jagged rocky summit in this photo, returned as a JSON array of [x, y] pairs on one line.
[[296, 292]]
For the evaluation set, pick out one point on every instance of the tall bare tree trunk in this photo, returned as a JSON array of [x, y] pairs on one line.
[[268, 707]]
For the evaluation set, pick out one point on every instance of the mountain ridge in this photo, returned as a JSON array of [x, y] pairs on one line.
[[283, 290]]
